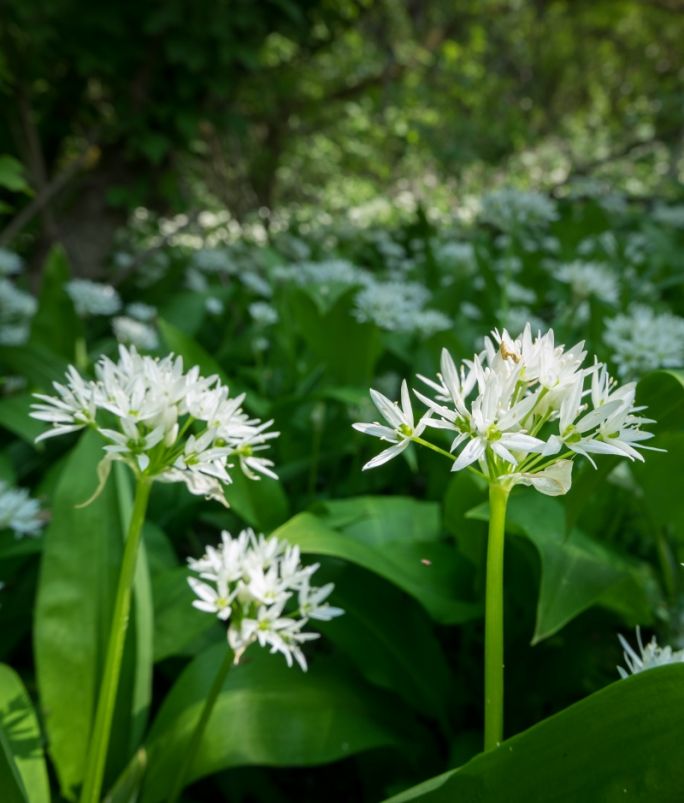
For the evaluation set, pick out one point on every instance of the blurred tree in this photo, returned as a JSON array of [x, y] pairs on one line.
[[257, 104]]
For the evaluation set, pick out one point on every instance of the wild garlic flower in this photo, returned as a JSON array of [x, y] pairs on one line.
[[520, 411], [166, 424], [590, 279], [649, 656], [141, 312], [259, 587], [642, 340], [93, 298], [19, 512], [511, 210], [263, 313], [136, 333], [10, 262]]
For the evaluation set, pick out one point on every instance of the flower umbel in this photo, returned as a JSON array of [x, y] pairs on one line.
[[519, 413], [165, 423], [260, 588]]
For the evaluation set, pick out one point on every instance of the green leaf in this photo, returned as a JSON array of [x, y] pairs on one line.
[[12, 175], [82, 551], [576, 571], [262, 503], [15, 418], [390, 639], [379, 519], [430, 571], [663, 394], [663, 503], [22, 735], [55, 326], [348, 349], [622, 743], [39, 365], [10, 780], [267, 714]]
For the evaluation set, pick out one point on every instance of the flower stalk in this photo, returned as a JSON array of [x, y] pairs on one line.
[[200, 727], [99, 743], [494, 618]]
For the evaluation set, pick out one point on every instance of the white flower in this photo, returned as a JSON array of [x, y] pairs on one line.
[[9, 262], [649, 656], [141, 312], [643, 340], [136, 333], [588, 279], [260, 588], [510, 209], [18, 512], [93, 298], [513, 408], [263, 313], [402, 427], [167, 424]]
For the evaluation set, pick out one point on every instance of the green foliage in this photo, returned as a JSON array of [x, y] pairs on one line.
[[613, 746]]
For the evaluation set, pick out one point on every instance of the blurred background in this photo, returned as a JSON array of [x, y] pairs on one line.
[[257, 108]]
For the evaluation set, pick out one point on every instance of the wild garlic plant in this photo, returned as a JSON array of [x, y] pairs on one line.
[[167, 425], [519, 413], [259, 587]]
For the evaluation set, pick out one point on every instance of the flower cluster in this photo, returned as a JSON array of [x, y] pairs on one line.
[[17, 307], [649, 656], [260, 588], [520, 411], [166, 424], [643, 340], [93, 298], [511, 210], [18, 512], [399, 306]]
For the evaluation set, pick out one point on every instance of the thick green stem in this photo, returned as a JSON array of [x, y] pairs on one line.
[[191, 751], [494, 618], [99, 742]]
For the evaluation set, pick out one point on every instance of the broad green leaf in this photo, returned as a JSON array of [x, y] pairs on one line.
[[430, 571], [390, 639], [10, 780], [348, 349], [38, 364], [379, 519], [184, 311], [22, 734], [663, 394], [55, 326], [179, 628], [14, 417], [622, 743], [128, 784], [657, 479], [576, 571], [262, 503], [82, 551], [267, 714]]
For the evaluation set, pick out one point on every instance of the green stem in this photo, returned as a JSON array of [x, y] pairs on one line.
[[196, 738], [434, 448], [99, 743], [494, 621]]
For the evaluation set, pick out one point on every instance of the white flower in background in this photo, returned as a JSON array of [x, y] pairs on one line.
[[643, 340], [18, 512], [519, 294], [141, 312], [648, 657], [259, 587], [213, 260], [520, 411], [197, 281], [428, 322], [16, 310], [672, 216], [402, 429], [511, 210], [164, 423], [214, 306], [454, 254], [587, 279], [93, 298], [136, 333], [263, 313], [396, 306], [256, 283], [336, 272], [516, 318], [10, 263]]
